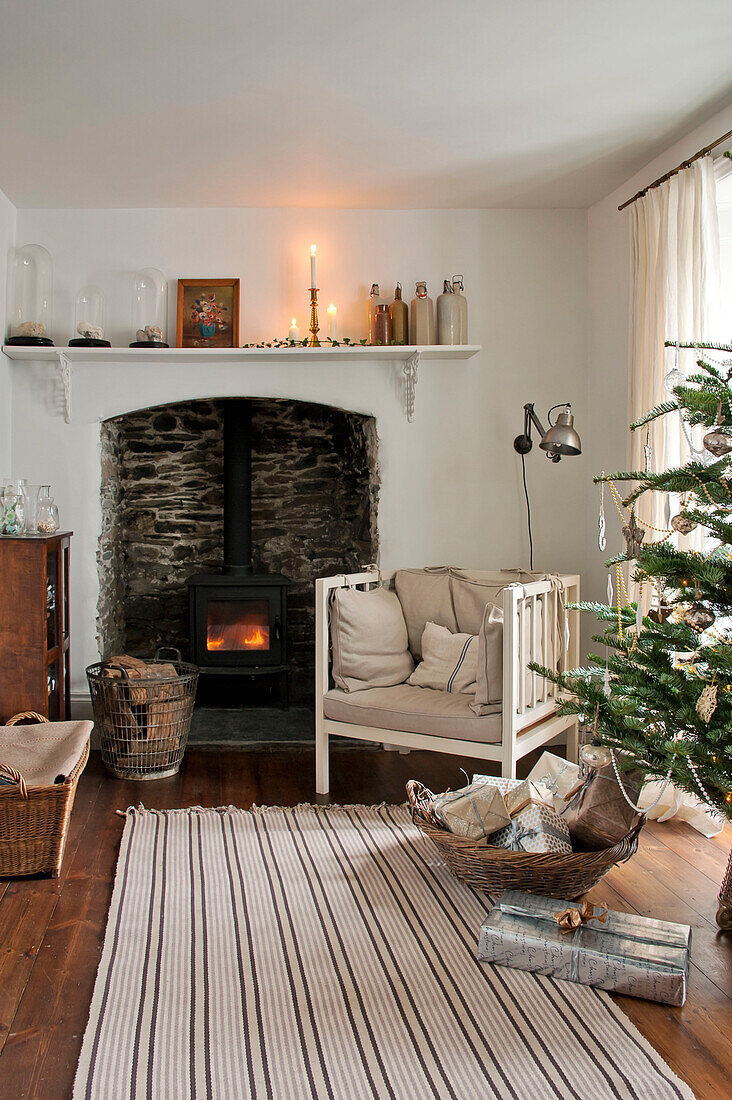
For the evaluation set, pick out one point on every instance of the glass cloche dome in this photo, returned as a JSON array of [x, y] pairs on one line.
[[31, 297], [149, 308], [89, 319]]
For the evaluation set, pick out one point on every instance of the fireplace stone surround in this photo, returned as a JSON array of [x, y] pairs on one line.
[[315, 485]]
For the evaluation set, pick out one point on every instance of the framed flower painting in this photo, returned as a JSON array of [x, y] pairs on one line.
[[208, 313]]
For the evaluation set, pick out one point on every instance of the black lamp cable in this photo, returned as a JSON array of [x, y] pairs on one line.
[[528, 514]]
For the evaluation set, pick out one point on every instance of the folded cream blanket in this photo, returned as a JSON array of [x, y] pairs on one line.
[[44, 752]]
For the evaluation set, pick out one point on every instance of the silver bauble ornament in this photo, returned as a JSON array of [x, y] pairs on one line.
[[698, 617], [674, 378], [718, 442], [595, 756], [683, 524]]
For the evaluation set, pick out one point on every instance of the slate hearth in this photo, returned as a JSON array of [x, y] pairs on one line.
[[314, 495]]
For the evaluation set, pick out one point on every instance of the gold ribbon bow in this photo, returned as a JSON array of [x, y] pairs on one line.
[[572, 918]]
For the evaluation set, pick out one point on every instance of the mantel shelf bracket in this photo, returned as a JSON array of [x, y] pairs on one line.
[[64, 367], [411, 367]]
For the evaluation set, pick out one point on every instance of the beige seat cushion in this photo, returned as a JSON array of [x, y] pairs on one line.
[[425, 596], [414, 710], [369, 639], [42, 753]]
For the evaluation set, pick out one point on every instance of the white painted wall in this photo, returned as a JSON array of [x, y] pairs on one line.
[[606, 436], [451, 487], [7, 242]]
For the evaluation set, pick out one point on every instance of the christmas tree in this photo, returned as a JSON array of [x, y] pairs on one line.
[[660, 697]]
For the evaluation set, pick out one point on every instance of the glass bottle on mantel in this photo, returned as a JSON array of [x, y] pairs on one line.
[[421, 317], [375, 300], [458, 291], [448, 316], [399, 314], [383, 325]]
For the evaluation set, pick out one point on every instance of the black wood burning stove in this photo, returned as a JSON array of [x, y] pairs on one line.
[[238, 619]]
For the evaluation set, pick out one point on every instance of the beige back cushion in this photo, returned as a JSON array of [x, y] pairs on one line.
[[425, 596], [369, 639], [470, 598], [489, 671]]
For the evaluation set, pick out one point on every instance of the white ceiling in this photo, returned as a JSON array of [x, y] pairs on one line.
[[349, 103]]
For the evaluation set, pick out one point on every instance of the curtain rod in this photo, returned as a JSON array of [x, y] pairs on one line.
[[674, 171]]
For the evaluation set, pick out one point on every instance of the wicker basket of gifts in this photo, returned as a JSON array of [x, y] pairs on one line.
[[503, 834]]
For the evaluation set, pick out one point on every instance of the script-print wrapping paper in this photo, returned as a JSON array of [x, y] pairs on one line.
[[634, 955]]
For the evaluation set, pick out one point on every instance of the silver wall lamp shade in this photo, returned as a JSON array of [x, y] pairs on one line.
[[561, 438]]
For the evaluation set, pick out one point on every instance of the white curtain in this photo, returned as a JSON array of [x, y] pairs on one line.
[[676, 296]]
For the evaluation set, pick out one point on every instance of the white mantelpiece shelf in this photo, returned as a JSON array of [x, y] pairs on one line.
[[64, 358]]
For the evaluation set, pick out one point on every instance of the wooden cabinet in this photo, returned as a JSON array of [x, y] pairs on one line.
[[34, 625]]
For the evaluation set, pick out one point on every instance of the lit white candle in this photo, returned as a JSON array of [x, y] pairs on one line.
[[332, 330], [294, 330], [312, 266]]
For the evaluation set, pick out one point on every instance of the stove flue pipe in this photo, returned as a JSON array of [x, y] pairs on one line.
[[238, 486]]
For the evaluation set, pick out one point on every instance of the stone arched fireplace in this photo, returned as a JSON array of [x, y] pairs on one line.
[[315, 486]]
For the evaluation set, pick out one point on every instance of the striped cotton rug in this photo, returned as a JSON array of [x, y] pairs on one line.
[[288, 954]]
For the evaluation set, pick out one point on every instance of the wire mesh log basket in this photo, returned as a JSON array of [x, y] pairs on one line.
[[495, 869], [142, 713]]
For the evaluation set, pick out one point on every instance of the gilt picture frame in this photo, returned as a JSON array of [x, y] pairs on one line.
[[208, 313]]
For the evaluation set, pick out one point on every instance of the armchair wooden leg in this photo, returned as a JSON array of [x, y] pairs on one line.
[[322, 770], [508, 764], [573, 741]]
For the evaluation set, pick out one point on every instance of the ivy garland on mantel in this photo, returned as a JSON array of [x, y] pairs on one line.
[[344, 343]]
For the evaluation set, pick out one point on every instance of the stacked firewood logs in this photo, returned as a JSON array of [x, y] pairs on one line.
[[143, 723]]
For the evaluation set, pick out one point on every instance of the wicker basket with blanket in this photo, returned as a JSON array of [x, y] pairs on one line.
[[40, 765], [495, 869]]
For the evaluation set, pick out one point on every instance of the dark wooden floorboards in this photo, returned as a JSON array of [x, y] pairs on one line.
[[51, 931]]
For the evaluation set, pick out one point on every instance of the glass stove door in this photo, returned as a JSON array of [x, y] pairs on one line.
[[237, 626]]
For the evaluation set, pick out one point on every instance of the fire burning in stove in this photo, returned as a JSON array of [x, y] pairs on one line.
[[233, 627]]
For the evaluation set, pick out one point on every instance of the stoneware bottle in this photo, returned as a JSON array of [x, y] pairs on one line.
[[421, 317], [375, 300], [457, 289], [448, 316], [383, 325], [399, 314]]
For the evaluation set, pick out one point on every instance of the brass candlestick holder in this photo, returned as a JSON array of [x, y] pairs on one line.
[[314, 342]]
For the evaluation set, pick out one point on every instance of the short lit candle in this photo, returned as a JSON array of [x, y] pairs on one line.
[[332, 322], [312, 266], [294, 330]]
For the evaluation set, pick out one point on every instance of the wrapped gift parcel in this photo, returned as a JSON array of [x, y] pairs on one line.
[[503, 785], [516, 790], [556, 776], [473, 812], [596, 811], [535, 827], [525, 792], [622, 952]]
